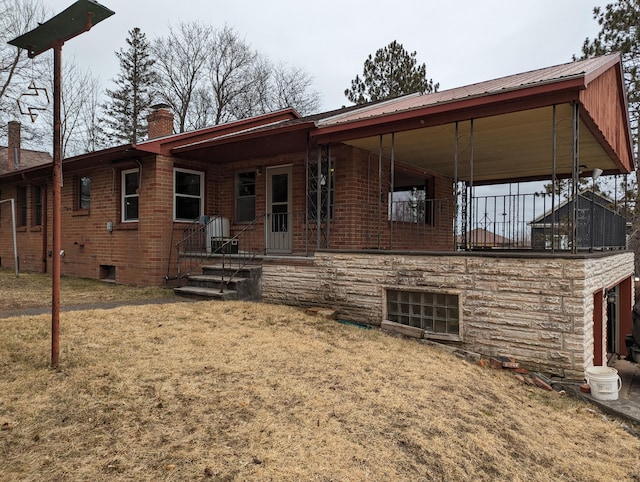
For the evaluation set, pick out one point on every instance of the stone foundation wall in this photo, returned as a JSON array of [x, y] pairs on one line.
[[536, 309]]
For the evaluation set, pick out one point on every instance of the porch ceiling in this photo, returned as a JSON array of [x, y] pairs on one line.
[[506, 147]]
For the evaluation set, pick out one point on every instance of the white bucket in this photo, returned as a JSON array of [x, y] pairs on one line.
[[605, 383]]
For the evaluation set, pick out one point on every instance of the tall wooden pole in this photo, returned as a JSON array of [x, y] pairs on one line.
[[57, 189]]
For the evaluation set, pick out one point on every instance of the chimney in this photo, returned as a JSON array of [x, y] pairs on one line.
[[13, 146], [160, 121]]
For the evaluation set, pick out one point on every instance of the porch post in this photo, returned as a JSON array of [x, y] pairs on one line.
[[306, 201], [470, 218], [328, 198], [379, 189], [392, 166], [318, 197], [553, 179], [575, 178], [455, 193]]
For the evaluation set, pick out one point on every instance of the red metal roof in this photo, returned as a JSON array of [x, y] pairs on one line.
[[583, 70]]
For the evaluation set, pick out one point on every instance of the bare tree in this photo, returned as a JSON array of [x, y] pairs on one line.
[[80, 107], [231, 75], [16, 69], [181, 60], [292, 87], [213, 76]]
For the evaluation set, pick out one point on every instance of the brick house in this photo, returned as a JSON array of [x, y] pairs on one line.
[[364, 210]]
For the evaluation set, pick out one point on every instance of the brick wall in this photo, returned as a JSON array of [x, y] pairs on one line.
[[536, 309]]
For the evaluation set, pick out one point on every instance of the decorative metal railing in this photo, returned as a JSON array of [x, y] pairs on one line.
[[192, 250], [539, 222], [240, 250], [532, 222]]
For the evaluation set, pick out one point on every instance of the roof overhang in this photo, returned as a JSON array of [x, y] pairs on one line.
[[499, 131], [106, 156], [255, 143], [167, 144], [515, 146]]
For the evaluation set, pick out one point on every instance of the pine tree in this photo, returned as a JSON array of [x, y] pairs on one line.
[[130, 102], [392, 72]]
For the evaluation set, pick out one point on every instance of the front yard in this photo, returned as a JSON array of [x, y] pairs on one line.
[[241, 391]]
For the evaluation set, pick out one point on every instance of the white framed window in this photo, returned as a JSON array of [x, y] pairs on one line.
[[188, 194], [130, 198]]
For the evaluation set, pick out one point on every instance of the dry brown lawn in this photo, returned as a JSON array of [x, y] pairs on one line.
[[241, 391], [32, 290]]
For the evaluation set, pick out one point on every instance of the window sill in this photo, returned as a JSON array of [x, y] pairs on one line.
[[35, 229], [21, 229], [131, 226], [415, 332], [81, 212], [441, 336]]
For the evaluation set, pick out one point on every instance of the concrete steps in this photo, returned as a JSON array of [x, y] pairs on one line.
[[245, 285]]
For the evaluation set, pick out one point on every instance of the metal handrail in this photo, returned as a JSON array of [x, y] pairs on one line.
[[244, 257], [192, 236]]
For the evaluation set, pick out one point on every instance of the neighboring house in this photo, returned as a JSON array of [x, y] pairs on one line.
[[358, 210], [13, 157], [598, 224], [481, 238], [29, 201]]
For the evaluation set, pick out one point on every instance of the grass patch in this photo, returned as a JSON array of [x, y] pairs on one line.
[[242, 391]]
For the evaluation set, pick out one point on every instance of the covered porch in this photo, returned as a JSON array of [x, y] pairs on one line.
[[519, 149], [427, 214], [472, 168]]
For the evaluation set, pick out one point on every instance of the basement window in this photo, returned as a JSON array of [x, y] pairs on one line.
[[107, 272], [435, 313]]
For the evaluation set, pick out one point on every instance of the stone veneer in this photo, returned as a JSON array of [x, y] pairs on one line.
[[536, 308]]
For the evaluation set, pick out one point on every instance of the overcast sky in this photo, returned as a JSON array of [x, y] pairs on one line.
[[461, 41]]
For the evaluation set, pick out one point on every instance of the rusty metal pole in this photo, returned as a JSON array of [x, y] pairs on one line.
[[52, 34], [57, 190]]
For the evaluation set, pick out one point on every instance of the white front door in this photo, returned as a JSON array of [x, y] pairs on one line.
[[278, 225]]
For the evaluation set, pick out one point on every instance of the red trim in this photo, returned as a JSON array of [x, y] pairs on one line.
[[597, 328], [443, 113], [624, 307], [243, 137], [164, 145]]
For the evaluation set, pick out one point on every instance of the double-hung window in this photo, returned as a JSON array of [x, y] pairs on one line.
[[188, 194], [37, 205], [130, 197], [22, 206], [84, 193], [245, 197]]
